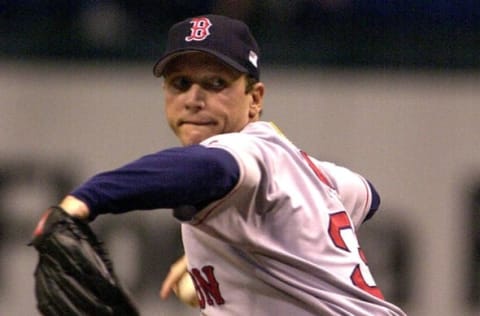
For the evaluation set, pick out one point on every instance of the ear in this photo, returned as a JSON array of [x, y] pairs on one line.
[[256, 102]]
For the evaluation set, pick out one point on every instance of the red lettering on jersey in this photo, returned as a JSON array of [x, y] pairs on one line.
[[338, 222], [208, 289], [199, 29], [359, 281]]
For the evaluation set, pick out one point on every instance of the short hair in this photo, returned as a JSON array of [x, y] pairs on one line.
[[251, 81]]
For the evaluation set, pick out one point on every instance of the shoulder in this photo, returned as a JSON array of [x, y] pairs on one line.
[[251, 148], [250, 140], [356, 193], [260, 133]]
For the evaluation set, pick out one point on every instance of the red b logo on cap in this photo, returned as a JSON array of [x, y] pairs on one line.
[[199, 29]]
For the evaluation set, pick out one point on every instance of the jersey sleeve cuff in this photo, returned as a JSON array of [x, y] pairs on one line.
[[375, 204]]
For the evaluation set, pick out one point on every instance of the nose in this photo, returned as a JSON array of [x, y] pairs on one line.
[[195, 99]]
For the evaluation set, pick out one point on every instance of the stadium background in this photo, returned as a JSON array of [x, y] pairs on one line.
[[387, 88]]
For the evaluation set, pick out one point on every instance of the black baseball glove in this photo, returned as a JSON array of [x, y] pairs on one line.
[[74, 275]]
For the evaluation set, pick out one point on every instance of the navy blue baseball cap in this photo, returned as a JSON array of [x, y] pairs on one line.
[[228, 39]]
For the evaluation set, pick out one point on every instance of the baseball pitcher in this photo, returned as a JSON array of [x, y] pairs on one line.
[[267, 229]]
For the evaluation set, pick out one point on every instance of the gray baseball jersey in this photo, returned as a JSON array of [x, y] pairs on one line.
[[283, 241]]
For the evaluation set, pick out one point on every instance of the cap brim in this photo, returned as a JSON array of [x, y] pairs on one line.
[[160, 65]]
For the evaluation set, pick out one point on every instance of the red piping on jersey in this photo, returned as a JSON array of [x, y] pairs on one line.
[[316, 170]]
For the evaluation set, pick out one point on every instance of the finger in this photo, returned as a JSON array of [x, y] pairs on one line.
[[174, 275]]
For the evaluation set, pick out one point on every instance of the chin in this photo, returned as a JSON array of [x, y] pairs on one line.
[[195, 136], [193, 140]]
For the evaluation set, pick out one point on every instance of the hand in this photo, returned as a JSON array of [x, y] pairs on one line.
[[75, 207], [177, 270]]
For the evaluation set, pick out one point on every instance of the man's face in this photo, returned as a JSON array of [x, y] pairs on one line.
[[204, 97]]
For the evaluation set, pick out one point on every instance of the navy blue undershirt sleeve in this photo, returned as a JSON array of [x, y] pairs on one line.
[[192, 175], [375, 202]]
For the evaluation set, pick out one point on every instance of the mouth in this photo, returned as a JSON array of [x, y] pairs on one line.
[[196, 122]]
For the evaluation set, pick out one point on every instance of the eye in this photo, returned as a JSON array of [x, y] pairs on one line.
[[180, 83], [215, 84]]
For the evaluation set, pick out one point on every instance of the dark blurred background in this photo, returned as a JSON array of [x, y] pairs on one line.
[[355, 33]]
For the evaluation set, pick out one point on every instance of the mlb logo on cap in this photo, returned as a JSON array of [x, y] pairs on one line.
[[228, 39]]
